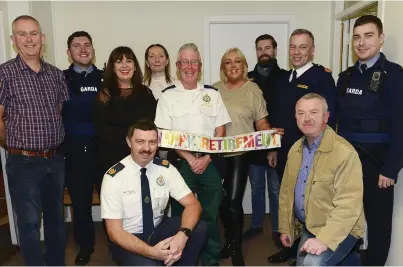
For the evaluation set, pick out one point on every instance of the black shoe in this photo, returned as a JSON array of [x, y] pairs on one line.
[[252, 233], [282, 256], [226, 250], [236, 255], [83, 258]]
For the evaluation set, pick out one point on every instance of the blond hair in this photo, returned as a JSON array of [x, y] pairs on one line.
[[241, 56]]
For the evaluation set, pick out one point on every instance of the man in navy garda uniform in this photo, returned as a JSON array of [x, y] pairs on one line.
[[265, 74], [370, 118], [84, 81], [305, 77], [135, 193]]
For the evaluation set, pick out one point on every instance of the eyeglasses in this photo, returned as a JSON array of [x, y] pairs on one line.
[[186, 62]]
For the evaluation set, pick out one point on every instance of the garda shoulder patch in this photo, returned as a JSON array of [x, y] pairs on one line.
[[160, 162], [115, 169], [210, 87], [169, 87]]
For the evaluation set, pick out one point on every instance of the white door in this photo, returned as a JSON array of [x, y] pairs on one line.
[[3, 152], [223, 32]]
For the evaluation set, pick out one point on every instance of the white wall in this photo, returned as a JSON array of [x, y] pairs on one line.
[[393, 31], [392, 49], [139, 24], [4, 23], [42, 11]]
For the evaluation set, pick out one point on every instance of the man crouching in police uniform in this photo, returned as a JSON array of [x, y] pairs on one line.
[[134, 196]]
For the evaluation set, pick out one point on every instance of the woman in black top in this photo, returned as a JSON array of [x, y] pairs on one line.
[[122, 102]]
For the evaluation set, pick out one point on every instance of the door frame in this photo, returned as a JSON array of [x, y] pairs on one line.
[[290, 20], [3, 153], [341, 15]]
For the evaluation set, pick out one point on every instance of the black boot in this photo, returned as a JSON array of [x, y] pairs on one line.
[[282, 256], [226, 250], [236, 255]]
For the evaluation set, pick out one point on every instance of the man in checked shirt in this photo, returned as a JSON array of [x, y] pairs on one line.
[[321, 195], [31, 96]]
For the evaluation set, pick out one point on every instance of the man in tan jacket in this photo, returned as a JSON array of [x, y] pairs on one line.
[[321, 196]]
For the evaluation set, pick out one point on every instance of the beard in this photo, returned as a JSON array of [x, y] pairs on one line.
[[265, 60]]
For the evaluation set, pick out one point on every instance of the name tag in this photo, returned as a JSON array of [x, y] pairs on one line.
[[303, 86], [354, 91]]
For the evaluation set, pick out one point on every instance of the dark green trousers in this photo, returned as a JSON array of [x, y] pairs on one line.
[[208, 188]]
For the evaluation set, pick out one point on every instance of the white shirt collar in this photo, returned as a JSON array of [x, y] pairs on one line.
[[179, 85], [138, 167], [301, 70]]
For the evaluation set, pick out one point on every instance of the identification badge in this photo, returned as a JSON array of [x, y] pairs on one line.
[[375, 81]]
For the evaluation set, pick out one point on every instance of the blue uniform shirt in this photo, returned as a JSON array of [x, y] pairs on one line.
[[366, 116], [369, 63], [308, 153], [80, 71]]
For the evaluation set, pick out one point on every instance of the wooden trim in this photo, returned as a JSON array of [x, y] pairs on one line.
[[341, 45], [67, 199], [353, 10]]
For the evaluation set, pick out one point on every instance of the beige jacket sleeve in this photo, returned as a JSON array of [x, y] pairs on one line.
[[348, 202], [284, 226]]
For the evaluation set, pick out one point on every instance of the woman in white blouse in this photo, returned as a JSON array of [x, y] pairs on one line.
[[157, 69]]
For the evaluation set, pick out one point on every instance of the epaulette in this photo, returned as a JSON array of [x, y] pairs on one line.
[[115, 169], [210, 87], [347, 71], [320, 66], [161, 162], [169, 87]]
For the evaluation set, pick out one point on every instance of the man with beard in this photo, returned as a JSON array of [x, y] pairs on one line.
[[265, 75], [305, 77], [84, 81], [135, 193]]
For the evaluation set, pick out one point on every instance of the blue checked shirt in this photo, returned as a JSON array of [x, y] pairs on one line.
[[308, 153]]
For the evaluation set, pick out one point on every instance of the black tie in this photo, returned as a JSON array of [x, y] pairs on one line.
[[83, 74], [363, 67], [148, 218], [294, 75]]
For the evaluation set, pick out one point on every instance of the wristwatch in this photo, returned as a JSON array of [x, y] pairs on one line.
[[186, 231]]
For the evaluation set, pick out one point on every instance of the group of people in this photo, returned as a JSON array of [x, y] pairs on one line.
[[84, 127]]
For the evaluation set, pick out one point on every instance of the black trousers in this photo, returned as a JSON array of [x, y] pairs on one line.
[[231, 210], [378, 205], [169, 227], [81, 176]]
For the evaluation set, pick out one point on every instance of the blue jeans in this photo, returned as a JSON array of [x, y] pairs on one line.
[[36, 185], [343, 255], [257, 174]]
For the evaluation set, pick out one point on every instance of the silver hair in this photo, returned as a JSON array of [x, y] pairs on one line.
[[190, 46], [317, 96], [303, 31]]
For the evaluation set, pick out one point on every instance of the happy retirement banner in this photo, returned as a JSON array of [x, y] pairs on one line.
[[244, 142]]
